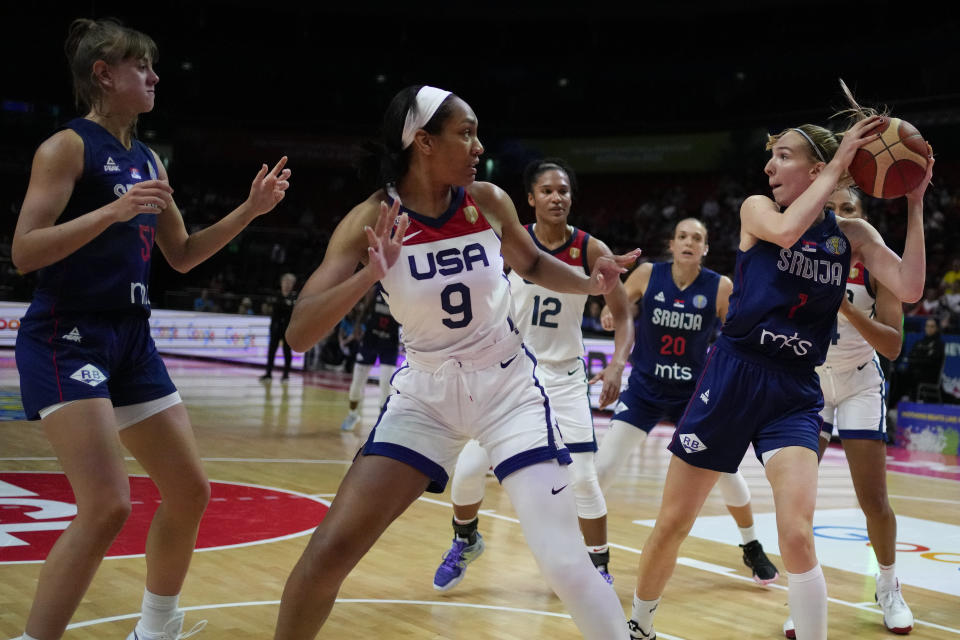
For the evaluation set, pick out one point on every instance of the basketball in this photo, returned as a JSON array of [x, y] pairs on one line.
[[893, 164]]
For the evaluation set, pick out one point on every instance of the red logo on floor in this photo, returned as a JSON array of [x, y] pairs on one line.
[[35, 508]]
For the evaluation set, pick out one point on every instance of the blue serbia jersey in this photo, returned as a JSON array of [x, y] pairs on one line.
[[788, 311], [112, 271], [675, 330]]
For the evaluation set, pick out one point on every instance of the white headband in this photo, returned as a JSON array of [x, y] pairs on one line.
[[424, 106]]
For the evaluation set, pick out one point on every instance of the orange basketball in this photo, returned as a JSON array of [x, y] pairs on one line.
[[893, 164]]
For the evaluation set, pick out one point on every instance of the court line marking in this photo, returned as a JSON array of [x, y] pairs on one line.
[[924, 498], [430, 603], [713, 568]]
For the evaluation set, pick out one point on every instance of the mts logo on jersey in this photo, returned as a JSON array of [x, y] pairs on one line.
[[800, 347], [673, 372], [448, 262]]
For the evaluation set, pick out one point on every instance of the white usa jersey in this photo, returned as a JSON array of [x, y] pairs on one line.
[[848, 349], [447, 289], [549, 321]]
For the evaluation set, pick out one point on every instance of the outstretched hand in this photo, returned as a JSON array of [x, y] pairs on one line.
[[269, 188], [611, 376], [385, 247], [607, 270]]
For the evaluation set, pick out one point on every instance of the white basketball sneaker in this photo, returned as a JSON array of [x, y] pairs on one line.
[[173, 630], [897, 616]]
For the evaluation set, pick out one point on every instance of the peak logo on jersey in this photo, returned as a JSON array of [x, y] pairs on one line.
[[705, 396], [88, 374], [678, 303], [700, 301], [574, 253], [809, 245], [659, 297], [854, 272], [73, 336], [835, 245], [471, 214], [691, 443], [110, 166], [135, 174], [36, 507]]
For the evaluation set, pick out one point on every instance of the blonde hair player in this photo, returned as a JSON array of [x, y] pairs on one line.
[[89, 371], [759, 385], [467, 373], [678, 320], [550, 325]]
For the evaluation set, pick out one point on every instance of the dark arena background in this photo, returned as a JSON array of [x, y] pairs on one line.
[[662, 108]]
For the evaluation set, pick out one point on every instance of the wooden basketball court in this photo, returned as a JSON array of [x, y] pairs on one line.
[[286, 437]]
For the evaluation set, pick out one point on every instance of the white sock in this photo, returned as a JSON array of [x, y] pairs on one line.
[[643, 611], [157, 611], [887, 578], [600, 548], [807, 593], [748, 534]]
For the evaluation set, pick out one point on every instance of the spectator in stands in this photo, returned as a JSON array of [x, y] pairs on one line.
[[203, 302], [591, 316], [951, 279], [929, 305], [924, 363], [246, 307]]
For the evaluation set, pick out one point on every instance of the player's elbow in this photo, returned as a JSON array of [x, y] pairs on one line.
[[21, 261]]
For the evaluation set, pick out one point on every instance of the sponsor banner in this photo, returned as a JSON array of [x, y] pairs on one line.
[[37, 507], [224, 336], [928, 427], [928, 552]]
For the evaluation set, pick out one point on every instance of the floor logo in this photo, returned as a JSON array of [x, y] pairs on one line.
[[36, 507]]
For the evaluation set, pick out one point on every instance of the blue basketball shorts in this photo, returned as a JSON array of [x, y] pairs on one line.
[[373, 348], [77, 356], [742, 399], [643, 405]]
